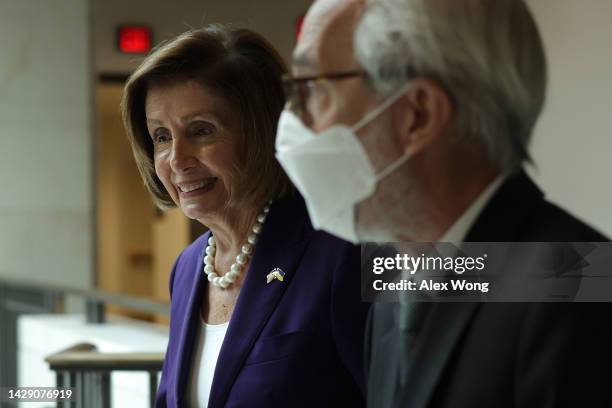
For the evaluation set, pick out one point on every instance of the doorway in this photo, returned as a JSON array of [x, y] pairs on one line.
[[137, 243]]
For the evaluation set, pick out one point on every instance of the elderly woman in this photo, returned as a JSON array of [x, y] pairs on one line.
[[265, 311]]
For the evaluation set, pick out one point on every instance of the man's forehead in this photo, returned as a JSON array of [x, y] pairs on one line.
[[327, 34]]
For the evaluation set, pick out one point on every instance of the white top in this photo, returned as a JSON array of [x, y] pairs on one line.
[[208, 346], [457, 232]]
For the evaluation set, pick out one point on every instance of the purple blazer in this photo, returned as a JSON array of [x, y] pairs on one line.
[[297, 343]]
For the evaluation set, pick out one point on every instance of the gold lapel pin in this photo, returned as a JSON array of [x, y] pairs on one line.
[[277, 273]]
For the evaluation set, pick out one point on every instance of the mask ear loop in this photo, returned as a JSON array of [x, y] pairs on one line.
[[393, 166], [371, 115]]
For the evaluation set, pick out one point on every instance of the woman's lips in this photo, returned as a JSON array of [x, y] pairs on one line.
[[197, 188]]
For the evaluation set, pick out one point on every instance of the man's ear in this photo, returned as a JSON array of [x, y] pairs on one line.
[[421, 115]]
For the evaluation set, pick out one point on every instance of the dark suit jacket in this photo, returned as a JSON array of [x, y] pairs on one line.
[[297, 343], [485, 355]]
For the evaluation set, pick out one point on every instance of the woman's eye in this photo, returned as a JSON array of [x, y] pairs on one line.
[[200, 129], [203, 131], [160, 136]]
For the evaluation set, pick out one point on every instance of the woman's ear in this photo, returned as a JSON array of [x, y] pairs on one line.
[[421, 115]]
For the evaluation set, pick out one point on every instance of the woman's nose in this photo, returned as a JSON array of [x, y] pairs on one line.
[[182, 156]]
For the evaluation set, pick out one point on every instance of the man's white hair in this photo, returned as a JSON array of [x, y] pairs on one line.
[[486, 54]]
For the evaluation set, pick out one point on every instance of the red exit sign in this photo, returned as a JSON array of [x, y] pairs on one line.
[[299, 22], [134, 39]]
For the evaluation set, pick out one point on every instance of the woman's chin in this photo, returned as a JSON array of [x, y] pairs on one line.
[[195, 212], [199, 210]]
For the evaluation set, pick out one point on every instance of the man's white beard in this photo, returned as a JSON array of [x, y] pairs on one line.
[[392, 214]]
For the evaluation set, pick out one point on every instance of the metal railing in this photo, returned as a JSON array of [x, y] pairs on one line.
[[86, 370], [95, 299], [81, 366]]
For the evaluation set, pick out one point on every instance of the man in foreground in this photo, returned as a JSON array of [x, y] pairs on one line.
[[410, 120]]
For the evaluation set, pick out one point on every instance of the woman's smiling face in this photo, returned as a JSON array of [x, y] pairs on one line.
[[196, 146]]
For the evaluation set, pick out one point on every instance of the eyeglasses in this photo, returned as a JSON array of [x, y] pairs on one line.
[[298, 89]]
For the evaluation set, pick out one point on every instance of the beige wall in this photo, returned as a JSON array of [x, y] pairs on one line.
[[573, 140], [274, 19], [46, 205]]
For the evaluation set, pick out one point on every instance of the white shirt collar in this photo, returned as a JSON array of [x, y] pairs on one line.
[[458, 231]]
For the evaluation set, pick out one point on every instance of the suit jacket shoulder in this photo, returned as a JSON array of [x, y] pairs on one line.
[[518, 212]]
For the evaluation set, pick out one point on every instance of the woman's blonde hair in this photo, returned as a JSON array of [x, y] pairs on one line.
[[237, 65]]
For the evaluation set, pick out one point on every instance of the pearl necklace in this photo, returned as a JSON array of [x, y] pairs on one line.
[[242, 258]]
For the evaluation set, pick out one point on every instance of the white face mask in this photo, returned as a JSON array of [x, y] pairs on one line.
[[331, 169]]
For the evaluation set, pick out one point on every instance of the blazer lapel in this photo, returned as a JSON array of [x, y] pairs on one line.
[[188, 333], [278, 247]]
